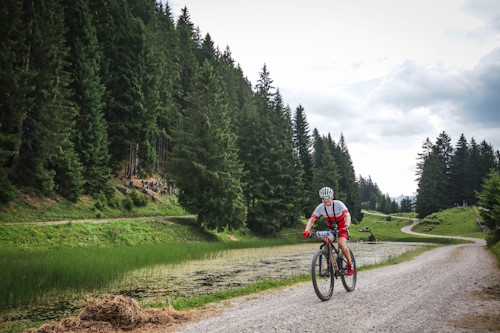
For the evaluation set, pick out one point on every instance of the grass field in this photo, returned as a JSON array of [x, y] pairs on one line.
[[458, 221]]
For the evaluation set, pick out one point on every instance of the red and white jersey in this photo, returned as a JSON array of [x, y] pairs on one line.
[[327, 212]]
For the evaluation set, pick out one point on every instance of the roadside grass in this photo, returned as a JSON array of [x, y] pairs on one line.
[[457, 221], [495, 248], [200, 301]]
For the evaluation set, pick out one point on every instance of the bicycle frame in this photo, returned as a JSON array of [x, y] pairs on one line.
[[328, 254], [333, 251]]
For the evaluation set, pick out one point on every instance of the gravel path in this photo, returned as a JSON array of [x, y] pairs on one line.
[[448, 289]]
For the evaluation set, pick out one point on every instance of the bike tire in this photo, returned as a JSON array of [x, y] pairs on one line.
[[349, 282], [322, 276]]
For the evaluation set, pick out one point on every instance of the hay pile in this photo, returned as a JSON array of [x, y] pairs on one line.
[[112, 314]]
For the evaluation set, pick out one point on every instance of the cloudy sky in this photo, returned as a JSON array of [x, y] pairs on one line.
[[387, 74]]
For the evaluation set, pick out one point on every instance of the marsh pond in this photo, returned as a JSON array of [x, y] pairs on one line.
[[215, 273]]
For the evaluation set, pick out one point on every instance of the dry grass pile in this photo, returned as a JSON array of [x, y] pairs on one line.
[[112, 314]]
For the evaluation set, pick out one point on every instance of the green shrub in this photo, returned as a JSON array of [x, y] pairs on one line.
[[114, 202], [127, 203], [430, 222], [388, 218], [100, 201], [139, 200]]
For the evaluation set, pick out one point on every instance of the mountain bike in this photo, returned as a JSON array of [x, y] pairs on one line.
[[328, 264]]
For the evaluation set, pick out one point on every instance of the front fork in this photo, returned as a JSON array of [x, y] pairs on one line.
[[331, 257]]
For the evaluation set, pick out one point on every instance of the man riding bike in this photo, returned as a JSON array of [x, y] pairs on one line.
[[334, 211]]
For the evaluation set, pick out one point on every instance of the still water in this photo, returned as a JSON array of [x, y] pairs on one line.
[[227, 269], [238, 268]]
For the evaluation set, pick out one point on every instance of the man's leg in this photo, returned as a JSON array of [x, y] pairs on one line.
[[345, 250]]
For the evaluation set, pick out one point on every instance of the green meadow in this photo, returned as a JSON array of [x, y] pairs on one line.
[[458, 221]]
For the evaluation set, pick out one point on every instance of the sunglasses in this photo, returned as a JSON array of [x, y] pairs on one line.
[[326, 198]]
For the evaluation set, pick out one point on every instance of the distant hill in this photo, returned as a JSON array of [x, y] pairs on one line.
[[401, 197]]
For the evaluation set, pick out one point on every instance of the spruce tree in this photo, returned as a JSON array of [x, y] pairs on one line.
[[169, 87], [489, 200], [290, 189], [369, 193], [347, 181], [426, 203], [458, 163], [431, 185], [188, 56], [427, 149], [497, 161], [406, 205], [13, 75], [303, 145], [91, 139], [151, 73], [263, 215], [318, 148], [46, 158], [205, 161], [270, 163], [487, 160], [325, 175], [473, 180], [445, 153]]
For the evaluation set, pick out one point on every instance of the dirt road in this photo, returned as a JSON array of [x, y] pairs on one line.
[[448, 289]]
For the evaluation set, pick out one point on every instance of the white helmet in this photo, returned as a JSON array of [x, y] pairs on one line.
[[325, 192]]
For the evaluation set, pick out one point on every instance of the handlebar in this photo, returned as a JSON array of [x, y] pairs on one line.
[[326, 233]]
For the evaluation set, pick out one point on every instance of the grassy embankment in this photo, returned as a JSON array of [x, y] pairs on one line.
[[31, 208], [458, 221]]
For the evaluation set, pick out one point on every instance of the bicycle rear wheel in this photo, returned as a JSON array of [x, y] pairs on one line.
[[349, 282], [322, 276]]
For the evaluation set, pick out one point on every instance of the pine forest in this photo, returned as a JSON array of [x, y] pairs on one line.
[[89, 89]]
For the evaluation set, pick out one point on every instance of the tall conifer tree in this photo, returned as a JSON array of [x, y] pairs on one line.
[[347, 182], [458, 163], [169, 87], [46, 159], [13, 90], [303, 145], [473, 180], [91, 139], [205, 161], [188, 58]]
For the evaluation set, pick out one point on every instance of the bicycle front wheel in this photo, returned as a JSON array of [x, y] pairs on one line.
[[349, 282], [322, 276]]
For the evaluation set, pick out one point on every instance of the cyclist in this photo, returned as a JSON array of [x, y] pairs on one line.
[[333, 211]]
